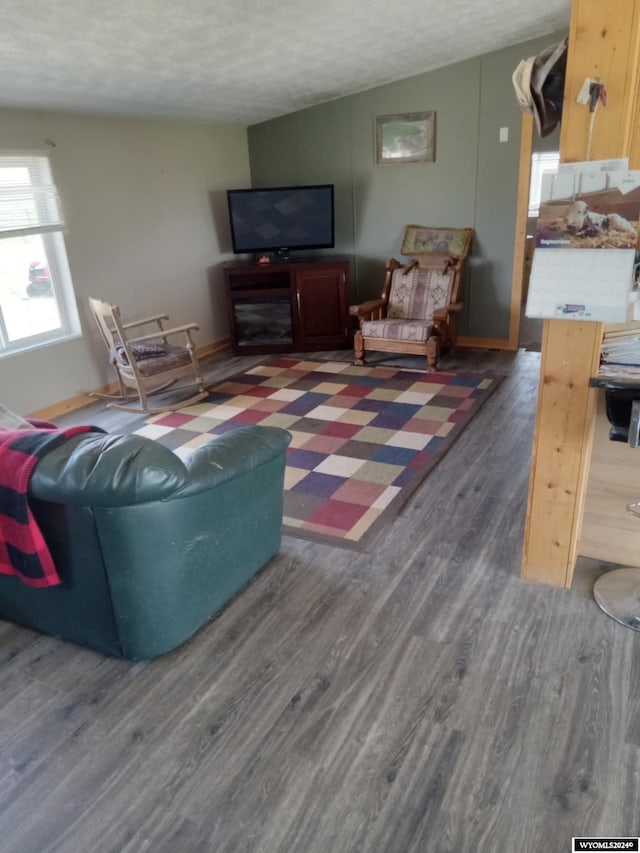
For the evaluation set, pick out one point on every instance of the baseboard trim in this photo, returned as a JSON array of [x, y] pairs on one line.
[[485, 343], [55, 410], [213, 347]]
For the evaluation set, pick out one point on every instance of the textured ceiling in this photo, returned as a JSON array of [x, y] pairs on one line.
[[240, 60]]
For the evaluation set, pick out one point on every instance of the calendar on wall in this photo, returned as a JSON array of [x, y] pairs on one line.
[[584, 264]]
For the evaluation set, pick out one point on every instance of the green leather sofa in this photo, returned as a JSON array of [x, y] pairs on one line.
[[147, 547]]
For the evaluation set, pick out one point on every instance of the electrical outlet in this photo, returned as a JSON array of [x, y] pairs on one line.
[[584, 93]]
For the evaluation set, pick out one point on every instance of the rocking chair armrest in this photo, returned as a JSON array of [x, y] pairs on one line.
[[153, 319], [367, 308], [188, 327]]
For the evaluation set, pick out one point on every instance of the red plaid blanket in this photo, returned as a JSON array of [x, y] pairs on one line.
[[23, 551]]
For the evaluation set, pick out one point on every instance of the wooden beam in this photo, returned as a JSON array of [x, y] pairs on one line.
[[634, 87], [561, 447], [522, 207], [604, 43]]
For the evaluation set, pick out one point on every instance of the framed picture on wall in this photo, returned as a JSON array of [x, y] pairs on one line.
[[406, 138]]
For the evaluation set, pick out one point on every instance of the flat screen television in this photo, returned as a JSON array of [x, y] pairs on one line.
[[281, 219]]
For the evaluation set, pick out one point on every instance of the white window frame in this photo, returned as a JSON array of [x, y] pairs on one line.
[[51, 230], [542, 162]]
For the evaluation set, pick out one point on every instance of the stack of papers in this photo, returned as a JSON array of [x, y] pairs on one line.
[[620, 356]]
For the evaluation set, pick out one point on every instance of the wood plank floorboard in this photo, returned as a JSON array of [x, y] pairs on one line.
[[417, 698]]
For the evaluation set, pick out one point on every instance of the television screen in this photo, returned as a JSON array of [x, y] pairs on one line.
[[278, 219]]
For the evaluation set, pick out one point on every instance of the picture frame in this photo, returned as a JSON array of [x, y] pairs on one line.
[[405, 138]]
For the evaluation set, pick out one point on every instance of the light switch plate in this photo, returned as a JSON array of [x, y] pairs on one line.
[[504, 134]]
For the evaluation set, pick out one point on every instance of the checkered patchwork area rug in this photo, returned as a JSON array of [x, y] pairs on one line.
[[363, 438]]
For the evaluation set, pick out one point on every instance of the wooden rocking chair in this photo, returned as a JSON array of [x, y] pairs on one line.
[[146, 364]]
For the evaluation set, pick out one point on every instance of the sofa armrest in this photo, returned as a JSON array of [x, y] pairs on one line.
[[101, 470], [232, 454], [95, 469]]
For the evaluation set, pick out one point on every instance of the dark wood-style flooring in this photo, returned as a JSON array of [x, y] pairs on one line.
[[417, 698]]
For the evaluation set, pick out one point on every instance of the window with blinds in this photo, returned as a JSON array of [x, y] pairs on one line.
[[37, 303], [542, 162], [28, 198]]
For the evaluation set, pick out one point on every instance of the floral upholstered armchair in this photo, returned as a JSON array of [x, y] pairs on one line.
[[420, 299]]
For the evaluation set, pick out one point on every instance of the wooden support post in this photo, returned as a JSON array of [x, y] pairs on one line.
[[604, 42], [522, 209]]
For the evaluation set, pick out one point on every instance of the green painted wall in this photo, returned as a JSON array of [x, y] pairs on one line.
[[310, 147], [473, 181]]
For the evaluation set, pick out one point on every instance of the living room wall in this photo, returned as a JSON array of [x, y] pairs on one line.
[[145, 211], [473, 181]]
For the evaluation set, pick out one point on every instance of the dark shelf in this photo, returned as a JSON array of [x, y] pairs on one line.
[[316, 294]]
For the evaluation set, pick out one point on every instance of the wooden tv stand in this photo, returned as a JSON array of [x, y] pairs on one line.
[[288, 306]]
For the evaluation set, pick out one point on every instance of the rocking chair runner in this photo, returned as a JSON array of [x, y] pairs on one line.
[[146, 364], [419, 303]]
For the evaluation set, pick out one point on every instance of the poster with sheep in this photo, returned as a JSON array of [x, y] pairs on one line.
[[585, 243]]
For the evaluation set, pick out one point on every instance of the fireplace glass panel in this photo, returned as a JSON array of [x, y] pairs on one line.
[[263, 320]]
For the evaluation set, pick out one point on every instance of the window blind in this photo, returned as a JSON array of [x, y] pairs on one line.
[[29, 201], [542, 163]]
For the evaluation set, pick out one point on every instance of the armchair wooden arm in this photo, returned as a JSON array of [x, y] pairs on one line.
[[442, 314], [374, 309], [445, 324]]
